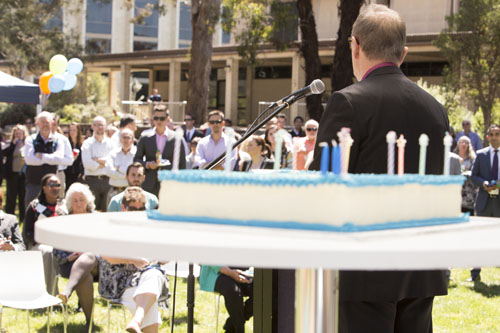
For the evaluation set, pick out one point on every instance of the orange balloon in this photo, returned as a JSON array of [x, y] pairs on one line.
[[43, 82]]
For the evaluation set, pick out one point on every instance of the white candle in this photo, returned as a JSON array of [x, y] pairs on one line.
[[423, 140], [177, 148], [345, 149], [279, 137], [229, 149], [447, 141], [391, 141]]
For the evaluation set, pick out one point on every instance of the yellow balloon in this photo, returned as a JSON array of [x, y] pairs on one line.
[[58, 64]]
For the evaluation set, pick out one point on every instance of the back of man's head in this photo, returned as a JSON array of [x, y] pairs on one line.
[[381, 33], [126, 120], [133, 199]]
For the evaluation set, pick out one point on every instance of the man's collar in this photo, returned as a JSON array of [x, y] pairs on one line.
[[384, 64]]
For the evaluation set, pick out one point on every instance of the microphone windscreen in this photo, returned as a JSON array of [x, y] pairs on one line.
[[317, 87]]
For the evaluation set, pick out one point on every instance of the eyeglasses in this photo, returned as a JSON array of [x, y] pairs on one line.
[[135, 209], [127, 137], [213, 122], [311, 129], [56, 185], [159, 118], [187, 119]]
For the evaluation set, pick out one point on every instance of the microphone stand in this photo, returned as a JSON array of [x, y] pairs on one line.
[[254, 129]]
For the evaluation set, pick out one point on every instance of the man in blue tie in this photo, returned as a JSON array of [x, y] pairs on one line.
[[485, 175]]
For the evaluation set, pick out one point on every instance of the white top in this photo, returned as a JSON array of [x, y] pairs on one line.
[[54, 158], [91, 148], [471, 244], [68, 151], [117, 164]]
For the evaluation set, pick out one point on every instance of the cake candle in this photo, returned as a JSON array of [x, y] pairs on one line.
[[345, 149], [177, 148], [391, 140], [295, 150], [423, 140], [278, 139], [229, 149], [335, 158], [447, 141], [325, 157], [401, 155]]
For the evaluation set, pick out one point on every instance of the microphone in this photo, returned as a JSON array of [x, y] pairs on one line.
[[316, 87]]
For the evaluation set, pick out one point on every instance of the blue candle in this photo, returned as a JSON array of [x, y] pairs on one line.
[[335, 158], [325, 157]]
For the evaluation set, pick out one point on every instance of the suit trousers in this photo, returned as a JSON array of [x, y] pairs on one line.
[[99, 185], [233, 293], [15, 191], [411, 315]]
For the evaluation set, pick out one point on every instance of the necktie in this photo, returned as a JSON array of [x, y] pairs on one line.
[[494, 167]]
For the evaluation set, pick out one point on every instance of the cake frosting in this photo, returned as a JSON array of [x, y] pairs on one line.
[[309, 200]]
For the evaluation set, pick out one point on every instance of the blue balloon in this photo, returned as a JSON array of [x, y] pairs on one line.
[[70, 81], [75, 66], [56, 83]]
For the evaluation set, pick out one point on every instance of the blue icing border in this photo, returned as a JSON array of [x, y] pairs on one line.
[[309, 178], [347, 227]]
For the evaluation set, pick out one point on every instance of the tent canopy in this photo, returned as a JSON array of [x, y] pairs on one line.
[[14, 90]]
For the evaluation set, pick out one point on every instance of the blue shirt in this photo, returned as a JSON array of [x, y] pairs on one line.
[[475, 140], [115, 204], [208, 276]]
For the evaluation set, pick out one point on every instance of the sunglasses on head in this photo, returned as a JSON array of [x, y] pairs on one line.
[[159, 118], [309, 129], [56, 185], [213, 122], [135, 209]]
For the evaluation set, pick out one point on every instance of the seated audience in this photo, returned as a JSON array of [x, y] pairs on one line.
[[306, 145], [135, 283], [10, 235], [259, 153], [135, 177], [297, 130], [46, 205], [232, 284], [286, 154], [191, 157], [14, 171], [79, 268]]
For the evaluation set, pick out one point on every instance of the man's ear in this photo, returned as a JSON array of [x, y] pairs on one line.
[[405, 52]]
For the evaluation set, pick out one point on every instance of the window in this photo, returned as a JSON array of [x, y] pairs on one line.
[[273, 72], [185, 29], [423, 68], [286, 21], [99, 17], [149, 28], [97, 45]]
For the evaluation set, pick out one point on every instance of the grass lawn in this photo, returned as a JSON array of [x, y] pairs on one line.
[[469, 307]]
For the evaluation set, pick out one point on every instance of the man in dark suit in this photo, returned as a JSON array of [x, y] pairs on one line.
[[156, 150], [190, 132], [485, 175], [384, 100]]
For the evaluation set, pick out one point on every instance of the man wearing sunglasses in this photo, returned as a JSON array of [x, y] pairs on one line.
[[156, 150], [384, 100], [213, 145]]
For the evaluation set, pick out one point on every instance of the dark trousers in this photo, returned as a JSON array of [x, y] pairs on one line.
[[233, 293], [99, 185], [15, 190], [492, 209], [405, 316]]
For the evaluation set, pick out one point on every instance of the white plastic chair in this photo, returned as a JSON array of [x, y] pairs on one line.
[[23, 287]]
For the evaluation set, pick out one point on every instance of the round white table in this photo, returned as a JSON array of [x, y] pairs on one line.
[[131, 234]]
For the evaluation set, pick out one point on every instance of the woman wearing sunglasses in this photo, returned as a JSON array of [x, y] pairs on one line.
[[306, 145], [46, 205]]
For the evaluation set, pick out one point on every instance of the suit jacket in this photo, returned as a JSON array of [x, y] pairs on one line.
[[481, 172], [196, 133], [386, 101], [146, 151], [9, 227]]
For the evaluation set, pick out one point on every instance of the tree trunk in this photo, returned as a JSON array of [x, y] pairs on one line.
[[309, 50], [487, 119], [342, 73], [204, 15]]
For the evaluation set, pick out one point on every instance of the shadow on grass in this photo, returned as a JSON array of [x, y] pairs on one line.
[[179, 320], [489, 291], [71, 328]]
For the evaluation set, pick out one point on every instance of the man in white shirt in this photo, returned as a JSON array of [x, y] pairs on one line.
[[95, 151], [127, 121], [43, 152], [118, 162], [68, 154]]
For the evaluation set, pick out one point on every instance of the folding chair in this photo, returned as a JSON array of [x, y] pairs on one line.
[[24, 285]]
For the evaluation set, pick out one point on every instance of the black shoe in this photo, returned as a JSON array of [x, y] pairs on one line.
[[475, 278]]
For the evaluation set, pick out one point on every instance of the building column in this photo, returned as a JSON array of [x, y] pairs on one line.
[[122, 30], [174, 81], [231, 101], [169, 26], [125, 85], [113, 88], [74, 19], [298, 81], [251, 113]]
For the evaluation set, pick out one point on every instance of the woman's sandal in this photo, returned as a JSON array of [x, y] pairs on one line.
[[133, 327]]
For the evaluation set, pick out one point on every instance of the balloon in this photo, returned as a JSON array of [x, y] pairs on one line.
[[75, 66], [58, 64], [70, 81], [43, 82], [56, 83]]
